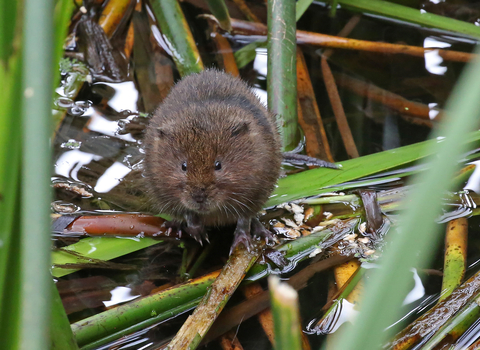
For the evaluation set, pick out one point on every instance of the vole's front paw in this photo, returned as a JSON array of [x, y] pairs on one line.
[[175, 227], [241, 237], [198, 233], [242, 234], [258, 230]]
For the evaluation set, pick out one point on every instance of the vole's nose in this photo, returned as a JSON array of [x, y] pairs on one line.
[[199, 195]]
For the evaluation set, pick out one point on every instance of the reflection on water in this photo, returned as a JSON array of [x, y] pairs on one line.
[[69, 163], [111, 177], [345, 311], [107, 127], [433, 61], [125, 96], [473, 182], [120, 295], [417, 292]]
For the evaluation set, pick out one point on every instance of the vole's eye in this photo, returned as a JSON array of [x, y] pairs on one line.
[[218, 165], [184, 166]]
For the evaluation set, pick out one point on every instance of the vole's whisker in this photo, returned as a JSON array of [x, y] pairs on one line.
[[241, 203], [242, 196]]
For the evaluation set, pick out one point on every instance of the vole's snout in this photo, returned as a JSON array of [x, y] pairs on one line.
[[199, 195]]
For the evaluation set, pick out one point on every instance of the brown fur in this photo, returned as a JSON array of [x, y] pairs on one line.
[[210, 117]]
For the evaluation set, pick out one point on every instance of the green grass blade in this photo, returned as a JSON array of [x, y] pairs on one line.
[[101, 248], [177, 32], [10, 323], [327, 322], [316, 181], [61, 335], [301, 7], [10, 142], [8, 28], [36, 168], [220, 11], [63, 12], [386, 290], [410, 15], [247, 53]]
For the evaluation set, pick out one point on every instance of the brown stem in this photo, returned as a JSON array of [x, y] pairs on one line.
[[225, 51], [242, 6], [394, 101], [324, 40], [309, 115], [118, 225], [338, 110]]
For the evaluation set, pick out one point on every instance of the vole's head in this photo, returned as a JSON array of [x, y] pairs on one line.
[[207, 163]]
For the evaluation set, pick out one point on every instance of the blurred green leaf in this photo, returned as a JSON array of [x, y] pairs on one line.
[[9, 24], [248, 53], [10, 142], [37, 80]]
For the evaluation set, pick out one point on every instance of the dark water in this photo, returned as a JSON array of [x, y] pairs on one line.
[[98, 150]]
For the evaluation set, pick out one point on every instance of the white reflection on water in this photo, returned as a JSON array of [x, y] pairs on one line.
[[111, 177], [125, 96], [433, 60], [260, 62], [417, 292], [107, 127], [474, 180], [69, 163], [120, 295]]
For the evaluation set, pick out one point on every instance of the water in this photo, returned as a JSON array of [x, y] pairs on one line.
[[98, 155]]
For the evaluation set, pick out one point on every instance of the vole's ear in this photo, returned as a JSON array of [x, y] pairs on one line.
[[240, 129], [161, 133]]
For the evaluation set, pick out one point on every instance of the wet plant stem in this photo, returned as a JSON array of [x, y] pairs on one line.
[[455, 262], [286, 318], [175, 28], [197, 325], [282, 71]]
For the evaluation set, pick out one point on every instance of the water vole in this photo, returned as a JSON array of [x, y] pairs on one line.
[[212, 155]]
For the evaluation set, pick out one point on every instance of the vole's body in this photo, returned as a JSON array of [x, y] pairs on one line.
[[212, 154]]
